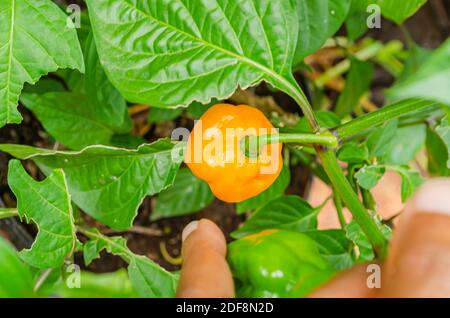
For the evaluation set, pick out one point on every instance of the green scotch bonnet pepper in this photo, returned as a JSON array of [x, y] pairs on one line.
[[277, 263]]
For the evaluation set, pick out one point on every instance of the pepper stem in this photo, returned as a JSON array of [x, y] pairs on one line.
[[251, 145]]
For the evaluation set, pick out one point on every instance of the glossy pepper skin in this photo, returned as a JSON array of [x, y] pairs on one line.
[[277, 263], [231, 175]]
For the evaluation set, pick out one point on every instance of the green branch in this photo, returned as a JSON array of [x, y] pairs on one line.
[[351, 200], [251, 145], [381, 116], [340, 182], [338, 205], [324, 138], [7, 213]]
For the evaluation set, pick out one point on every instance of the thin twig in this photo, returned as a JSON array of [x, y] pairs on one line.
[[138, 108], [142, 230], [42, 278], [338, 204]]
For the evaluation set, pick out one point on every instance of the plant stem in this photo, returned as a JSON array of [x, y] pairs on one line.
[[141, 230], [351, 200], [325, 138], [339, 181], [338, 204], [42, 278], [381, 116], [7, 213], [407, 35]]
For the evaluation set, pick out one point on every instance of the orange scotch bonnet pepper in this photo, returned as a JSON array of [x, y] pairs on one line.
[[214, 152]]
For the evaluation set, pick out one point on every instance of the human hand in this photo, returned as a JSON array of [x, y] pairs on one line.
[[205, 271], [417, 265]]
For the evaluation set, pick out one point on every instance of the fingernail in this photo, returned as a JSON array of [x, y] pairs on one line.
[[433, 197], [191, 227]]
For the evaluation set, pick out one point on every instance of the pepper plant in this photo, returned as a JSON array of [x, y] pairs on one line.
[[78, 76]]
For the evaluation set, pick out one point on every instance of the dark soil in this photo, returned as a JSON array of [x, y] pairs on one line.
[[429, 28]]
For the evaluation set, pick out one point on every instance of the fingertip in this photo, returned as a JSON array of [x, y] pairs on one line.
[[205, 271], [203, 233], [191, 227]]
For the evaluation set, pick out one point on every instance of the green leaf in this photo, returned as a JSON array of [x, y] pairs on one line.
[[353, 153], [15, 277], [406, 144], [319, 20], [114, 245], [431, 81], [105, 101], [397, 12], [73, 79], [359, 13], [288, 212], [438, 155], [44, 85], [147, 278], [109, 183], [99, 111], [127, 141], [69, 118], [334, 246], [276, 190], [443, 131], [159, 115], [106, 285], [196, 109], [357, 236], [48, 205], [150, 280], [358, 82], [356, 23], [169, 54], [411, 181], [368, 176], [85, 28], [378, 142], [188, 194], [35, 39]]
